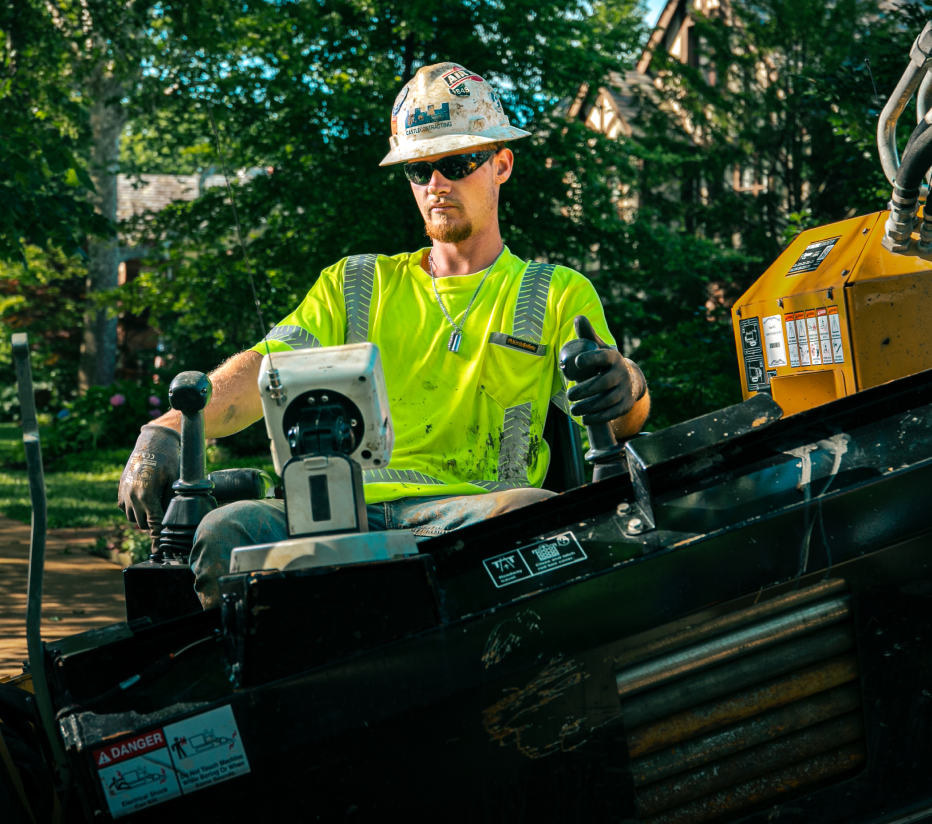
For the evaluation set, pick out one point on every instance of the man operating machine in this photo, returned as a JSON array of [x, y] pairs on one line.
[[468, 333]]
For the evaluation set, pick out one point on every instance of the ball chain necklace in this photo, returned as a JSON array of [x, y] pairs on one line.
[[456, 336]]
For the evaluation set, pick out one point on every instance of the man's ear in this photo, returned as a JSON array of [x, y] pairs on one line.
[[504, 164]]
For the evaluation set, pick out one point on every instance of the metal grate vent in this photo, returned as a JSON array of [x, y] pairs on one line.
[[752, 707]]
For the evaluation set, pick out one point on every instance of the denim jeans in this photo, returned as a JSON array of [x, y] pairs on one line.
[[246, 523]]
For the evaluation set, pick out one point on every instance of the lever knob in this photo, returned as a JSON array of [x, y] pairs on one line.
[[570, 352], [602, 443], [190, 392]]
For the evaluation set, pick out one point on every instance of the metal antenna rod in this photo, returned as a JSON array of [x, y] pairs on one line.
[[275, 387]]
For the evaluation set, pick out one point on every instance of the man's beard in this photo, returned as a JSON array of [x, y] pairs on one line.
[[447, 231]]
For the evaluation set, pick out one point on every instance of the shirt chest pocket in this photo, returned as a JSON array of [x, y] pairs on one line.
[[510, 375]]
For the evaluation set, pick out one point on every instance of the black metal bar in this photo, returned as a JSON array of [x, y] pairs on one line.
[[735, 769], [737, 675], [764, 728], [37, 497], [737, 706]]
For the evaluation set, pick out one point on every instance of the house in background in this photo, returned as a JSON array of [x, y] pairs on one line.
[[137, 195]]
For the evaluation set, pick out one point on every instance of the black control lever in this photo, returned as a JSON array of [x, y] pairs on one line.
[[189, 393], [605, 453]]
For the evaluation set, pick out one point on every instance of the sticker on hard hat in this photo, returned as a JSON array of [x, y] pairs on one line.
[[534, 559], [399, 101], [456, 80], [812, 256], [430, 118], [177, 759]]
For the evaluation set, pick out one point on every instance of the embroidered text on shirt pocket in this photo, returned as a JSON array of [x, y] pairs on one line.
[[512, 375]]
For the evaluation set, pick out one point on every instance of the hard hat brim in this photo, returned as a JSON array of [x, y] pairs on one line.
[[450, 143]]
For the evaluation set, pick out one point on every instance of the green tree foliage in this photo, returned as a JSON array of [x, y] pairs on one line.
[[44, 298], [782, 98], [43, 181], [303, 92]]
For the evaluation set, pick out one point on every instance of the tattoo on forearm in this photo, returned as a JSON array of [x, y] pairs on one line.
[[230, 413]]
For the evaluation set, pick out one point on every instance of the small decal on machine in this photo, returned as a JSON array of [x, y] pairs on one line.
[[825, 338], [838, 351], [751, 343], [534, 559], [773, 341], [802, 339], [812, 327], [177, 759], [812, 256], [791, 339]]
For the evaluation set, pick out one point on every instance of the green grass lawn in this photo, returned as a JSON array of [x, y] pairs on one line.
[[82, 487]]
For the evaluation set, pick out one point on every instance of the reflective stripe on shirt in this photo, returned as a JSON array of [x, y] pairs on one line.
[[358, 277], [295, 336], [398, 476]]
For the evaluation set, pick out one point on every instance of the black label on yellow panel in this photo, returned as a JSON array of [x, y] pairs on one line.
[[812, 256], [753, 354]]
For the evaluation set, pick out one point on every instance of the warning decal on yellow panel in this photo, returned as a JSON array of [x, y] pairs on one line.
[[773, 342], [838, 351], [791, 339], [825, 340], [802, 338]]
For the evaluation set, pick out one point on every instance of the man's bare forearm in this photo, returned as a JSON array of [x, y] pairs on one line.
[[235, 402]]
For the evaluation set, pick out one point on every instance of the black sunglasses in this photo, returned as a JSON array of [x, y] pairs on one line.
[[454, 167]]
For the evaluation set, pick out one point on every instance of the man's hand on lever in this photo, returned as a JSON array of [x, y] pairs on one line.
[[146, 482], [614, 389]]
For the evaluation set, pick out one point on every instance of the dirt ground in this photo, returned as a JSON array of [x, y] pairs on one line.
[[81, 592]]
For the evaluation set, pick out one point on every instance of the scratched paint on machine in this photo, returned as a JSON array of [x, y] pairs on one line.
[[534, 559]]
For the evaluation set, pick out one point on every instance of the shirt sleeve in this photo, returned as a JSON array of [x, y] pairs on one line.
[[577, 298], [320, 320]]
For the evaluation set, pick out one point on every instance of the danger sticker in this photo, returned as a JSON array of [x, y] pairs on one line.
[[206, 749], [162, 764], [534, 559], [136, 773], [812, 256]]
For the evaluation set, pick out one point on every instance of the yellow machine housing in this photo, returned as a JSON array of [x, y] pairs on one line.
[[836, 313]]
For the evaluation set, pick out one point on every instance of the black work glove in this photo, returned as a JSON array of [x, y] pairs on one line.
[[146, 482], [611, 384]]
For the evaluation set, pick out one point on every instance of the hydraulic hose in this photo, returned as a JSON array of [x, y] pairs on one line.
[[36, 551], [904, 203], [913, 75]]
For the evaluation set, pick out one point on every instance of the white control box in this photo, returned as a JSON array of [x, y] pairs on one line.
[[351, 375]]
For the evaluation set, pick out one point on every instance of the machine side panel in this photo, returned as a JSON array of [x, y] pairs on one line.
[[893, 333], [798, 344]]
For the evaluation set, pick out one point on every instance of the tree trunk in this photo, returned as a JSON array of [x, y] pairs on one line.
[[98, 347]]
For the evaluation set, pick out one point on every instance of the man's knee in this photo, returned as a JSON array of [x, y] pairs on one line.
[[512, 499], [242, 523]]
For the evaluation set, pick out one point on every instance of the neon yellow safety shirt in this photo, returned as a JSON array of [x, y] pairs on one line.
[[467, 422]]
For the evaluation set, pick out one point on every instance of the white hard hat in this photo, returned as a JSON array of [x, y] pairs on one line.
[[443, 108]]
